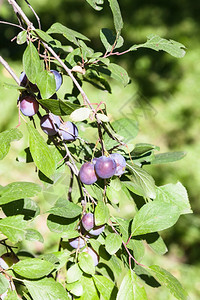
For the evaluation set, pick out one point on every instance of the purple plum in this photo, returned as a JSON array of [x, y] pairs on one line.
[[87, 173], [105, 167], [120, 162]]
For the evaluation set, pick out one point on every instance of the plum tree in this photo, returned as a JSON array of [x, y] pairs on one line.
[[78, 190], [87, 173], [50, 124], [58, 79], [120, 162], [68, 131], [105, 167], [78, 242], [28, 105]]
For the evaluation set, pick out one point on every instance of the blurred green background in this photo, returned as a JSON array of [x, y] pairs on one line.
[[163, 96]]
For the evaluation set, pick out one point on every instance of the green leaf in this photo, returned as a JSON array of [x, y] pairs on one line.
[[12, 86], [175, 194], [156, 243], [18, 190], [95, 4], [167, 279], [4, 284], [85, 50], [46, 83], [40, 152], [137, 246], [124, 129], [31, 62], [157, 43], [59, 258], [75, 288], [43, 35], [130, 288], [86, 263], [97, 80], [118, 22], [13, 228], [141, 182], [59, 107], [74, 273], [33, 268], [115, 191], [67, 227], [154, 216], [115, 265], [46, 289], [101, 213], [124, 227], [142, 149], [68, 33], [108, 39], [105, 286], [6, 137], [167, 157], [26, 207], [22, 37], [89, 289], [118, 73], [113, 242], [34, 235], [65, 208], [80, 114]]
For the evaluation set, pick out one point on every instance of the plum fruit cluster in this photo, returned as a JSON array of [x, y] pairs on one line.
[[88, 229], [103, 167], [27, 101], [49, 123]]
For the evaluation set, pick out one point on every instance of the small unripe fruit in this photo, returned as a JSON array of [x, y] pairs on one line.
[[77, 243], [50, 124], [87, 173], [120, 162], [93, 254], [69, 131], [28, 105], [105, 167], [88, 221]]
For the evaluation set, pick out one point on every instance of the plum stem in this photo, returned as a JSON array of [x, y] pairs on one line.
[[125, 246]]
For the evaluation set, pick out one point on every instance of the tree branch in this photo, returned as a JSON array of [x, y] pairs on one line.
[[8, 68]]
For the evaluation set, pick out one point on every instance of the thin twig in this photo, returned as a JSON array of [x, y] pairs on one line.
[[11, 24], [8, 68], [124, 244], [38, 19], [17, 9]]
